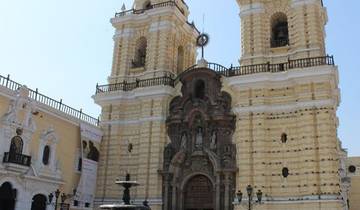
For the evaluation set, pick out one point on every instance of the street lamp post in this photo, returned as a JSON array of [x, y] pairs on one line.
[[249, 190]]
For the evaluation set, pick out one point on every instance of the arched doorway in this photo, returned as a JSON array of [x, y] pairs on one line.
[[39, 202], [7, 197], [199, 194]]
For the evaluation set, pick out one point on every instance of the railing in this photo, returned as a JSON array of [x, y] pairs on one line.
[[19, 159], [138, 64], [280, 67], [36, 96], [125, 86], [153, 6], [222, 70], [279, 43]]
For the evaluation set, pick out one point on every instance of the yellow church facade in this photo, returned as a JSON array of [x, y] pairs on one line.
[[202, 135], [201, 132]]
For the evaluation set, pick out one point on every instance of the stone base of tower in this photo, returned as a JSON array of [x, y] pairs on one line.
[[293, 205]]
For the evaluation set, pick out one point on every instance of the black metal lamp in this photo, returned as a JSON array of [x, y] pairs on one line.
[[57, 193], [50, 197], [239, 195], [259, 195], [249, 190], [63, 198]]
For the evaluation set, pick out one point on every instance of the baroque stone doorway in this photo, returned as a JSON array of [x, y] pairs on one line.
[[200, 160], [199, 194]]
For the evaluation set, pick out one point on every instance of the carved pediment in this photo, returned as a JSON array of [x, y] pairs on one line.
[[201, 118]]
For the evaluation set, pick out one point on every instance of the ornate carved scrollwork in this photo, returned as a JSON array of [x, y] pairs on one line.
[[200, 127]]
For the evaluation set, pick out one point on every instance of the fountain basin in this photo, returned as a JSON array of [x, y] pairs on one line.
[[123, 207], [131, 183]]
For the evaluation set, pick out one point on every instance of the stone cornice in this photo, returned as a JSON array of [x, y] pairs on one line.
[[268, 79], [251, 9], [142, 93]]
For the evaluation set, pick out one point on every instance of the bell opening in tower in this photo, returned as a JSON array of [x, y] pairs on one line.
[[279, 30]]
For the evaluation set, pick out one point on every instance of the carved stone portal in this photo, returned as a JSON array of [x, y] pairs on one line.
[[200, 162]]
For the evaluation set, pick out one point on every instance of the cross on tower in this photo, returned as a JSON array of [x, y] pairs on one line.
[[202, 41]]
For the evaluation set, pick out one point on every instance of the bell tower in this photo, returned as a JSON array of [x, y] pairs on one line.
[[152, 39], [153, 43], [281, 30]]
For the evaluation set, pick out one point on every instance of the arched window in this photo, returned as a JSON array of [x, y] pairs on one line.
[[7, 196], [147, 5], [16, 145], [39, 202], [180, 59], [46, 155], [284, 138], [279, 30], [200, 89], [140, 53]]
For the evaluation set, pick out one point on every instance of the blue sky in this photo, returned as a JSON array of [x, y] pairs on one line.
[[64, 47]]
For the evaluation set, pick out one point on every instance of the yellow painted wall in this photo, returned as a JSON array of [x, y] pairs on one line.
[[66, 128], [354, 196]]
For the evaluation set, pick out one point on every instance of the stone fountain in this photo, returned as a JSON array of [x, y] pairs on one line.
[[126, 205]]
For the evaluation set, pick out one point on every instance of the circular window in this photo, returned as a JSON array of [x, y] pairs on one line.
[[352, 169], [285, 172]]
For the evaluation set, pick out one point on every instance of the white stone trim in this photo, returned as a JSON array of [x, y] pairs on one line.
[[284, 107], [268, 79], [149, 14], [48, 138], [135, 121], [291, 202], [162, 25], [296, 3], [277, 55], [144, 75], [250, 9], [45, 108], [138, 201], [147, 92], [124, 33]]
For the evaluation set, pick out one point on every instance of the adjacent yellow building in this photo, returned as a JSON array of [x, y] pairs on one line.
[[40, 150]]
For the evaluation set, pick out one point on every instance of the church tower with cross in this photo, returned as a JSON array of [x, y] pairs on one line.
[[153, 43], [203, 136], [153, 38]]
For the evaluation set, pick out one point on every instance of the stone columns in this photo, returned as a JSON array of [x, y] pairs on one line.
[[218, 191], [227, 191], [173, 203]]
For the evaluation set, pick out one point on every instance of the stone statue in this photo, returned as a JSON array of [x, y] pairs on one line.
[[183, 142], [213, 140], [10, 115], [28, 120], [199, 138]]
